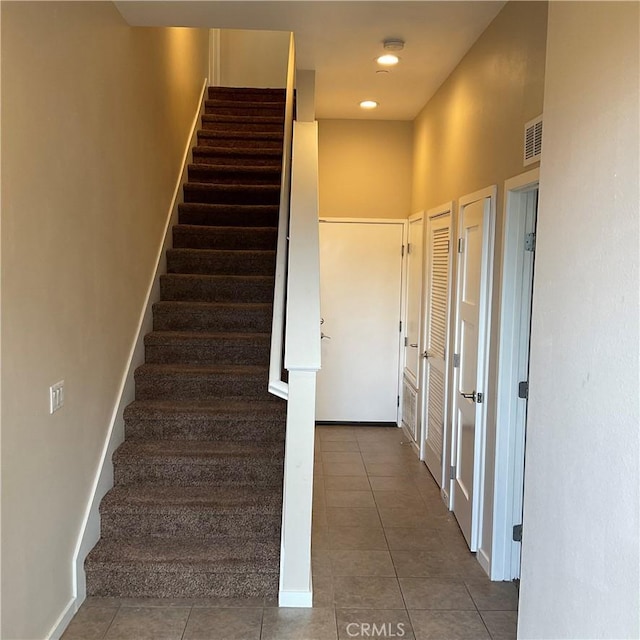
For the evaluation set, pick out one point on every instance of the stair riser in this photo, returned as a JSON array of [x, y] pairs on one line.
[[182, 386], [243, 108], [211, 175], [146, 583], [210, 139], [196, 522], [221, 263], [223, 216], [232, 471], [258, 320], [239, 125], [225, 239], [231, 157], [232, 194], [176, 287], [219, 429], [210, 352], [246, 93]]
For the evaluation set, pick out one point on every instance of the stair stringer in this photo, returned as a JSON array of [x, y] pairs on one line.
[[89, 533]]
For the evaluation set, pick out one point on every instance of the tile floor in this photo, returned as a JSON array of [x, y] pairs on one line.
[[388, 562]]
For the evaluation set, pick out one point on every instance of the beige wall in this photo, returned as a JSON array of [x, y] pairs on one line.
[[469, 136], [95, 117], [580, 554], [365, 168], [254, 58]]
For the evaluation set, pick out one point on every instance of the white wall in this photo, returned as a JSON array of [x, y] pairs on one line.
[[95, 116], [254, 58], [580, 555]]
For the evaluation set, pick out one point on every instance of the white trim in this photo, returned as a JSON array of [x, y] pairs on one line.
[[509, 456], [446, 209], [302, 599], [59, 626], [402, 221], [484, 560], [484, 348], [214, 57], [89, 533]]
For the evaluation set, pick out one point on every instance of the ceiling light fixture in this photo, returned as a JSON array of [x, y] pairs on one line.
[[388, 60], [368, 104]]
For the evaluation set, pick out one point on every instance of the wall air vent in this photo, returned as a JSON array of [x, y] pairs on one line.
[[533, 140]]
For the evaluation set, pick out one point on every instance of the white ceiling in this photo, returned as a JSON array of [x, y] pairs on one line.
[[340, 41]]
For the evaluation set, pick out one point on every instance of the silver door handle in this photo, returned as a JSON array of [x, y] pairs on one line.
[[414, 345], [469, 396], [323, 336]]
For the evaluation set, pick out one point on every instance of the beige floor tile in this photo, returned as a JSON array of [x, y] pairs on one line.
[[339, 445], [388, 624], [361, 563], [448, 625], [413, 538], [435, 593], [372, 538], [370, 592], [423, 564], [347, 483], [391, 483], [337, 434], [299, 624], [148, 623], [224, 624], [91, 622], [350, 499], [342, 457], [320, 562], [399, 456], [320, 537], [502, 625], [493, 596], [344, 469], [322, 591], [339, 517], [385, 469], [406, 518], [229, 603], [399, 500]]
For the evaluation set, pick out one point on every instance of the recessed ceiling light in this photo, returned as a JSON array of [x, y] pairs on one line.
[[368, 104], [388, 59]]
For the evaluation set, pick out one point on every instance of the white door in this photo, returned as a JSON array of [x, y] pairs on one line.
[[360, 294], [475, 255], [411, 375], [436, 332]]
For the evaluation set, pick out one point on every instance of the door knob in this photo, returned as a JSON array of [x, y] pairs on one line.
[[323, 336]]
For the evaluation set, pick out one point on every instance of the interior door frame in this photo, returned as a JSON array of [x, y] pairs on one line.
[[445, 209], [484, 348], [510, 419], [403, 285]]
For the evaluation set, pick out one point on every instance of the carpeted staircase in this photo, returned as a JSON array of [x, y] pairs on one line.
[[196, 506]]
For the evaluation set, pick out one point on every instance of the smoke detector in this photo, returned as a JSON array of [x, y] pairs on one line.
[[393, 44]]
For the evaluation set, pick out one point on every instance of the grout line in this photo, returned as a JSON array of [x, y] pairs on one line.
[[186, 623], [112, 619]]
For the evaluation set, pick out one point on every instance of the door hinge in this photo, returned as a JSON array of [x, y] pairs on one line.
[[517, 533], [479, 398], [523, 390], [530, 242], [400, 329], [408, 248], [406, 341], [456, 360], [452, 473], [460, 245], [402, 251], [398, 401]]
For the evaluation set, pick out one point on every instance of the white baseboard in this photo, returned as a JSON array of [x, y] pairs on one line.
[[301, 599], [90, 529], [484, 560], [63, 620]]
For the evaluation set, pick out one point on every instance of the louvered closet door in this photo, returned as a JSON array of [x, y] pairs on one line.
[[436, 332]]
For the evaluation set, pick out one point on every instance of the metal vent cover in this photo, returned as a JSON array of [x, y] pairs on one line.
[[533, 140]]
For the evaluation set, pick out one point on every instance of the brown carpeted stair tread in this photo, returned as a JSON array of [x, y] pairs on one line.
[[245, 139], [186, 236], [222, 174], [247, 215], [228, 408], [204, 192], [212, 288], [212, 316], [253, 93], [237, 156], [221, 262]]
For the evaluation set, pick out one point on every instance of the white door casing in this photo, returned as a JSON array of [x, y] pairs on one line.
[[513, 365], [435, 347], [360, 290], [411, 379], [473, 308]]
